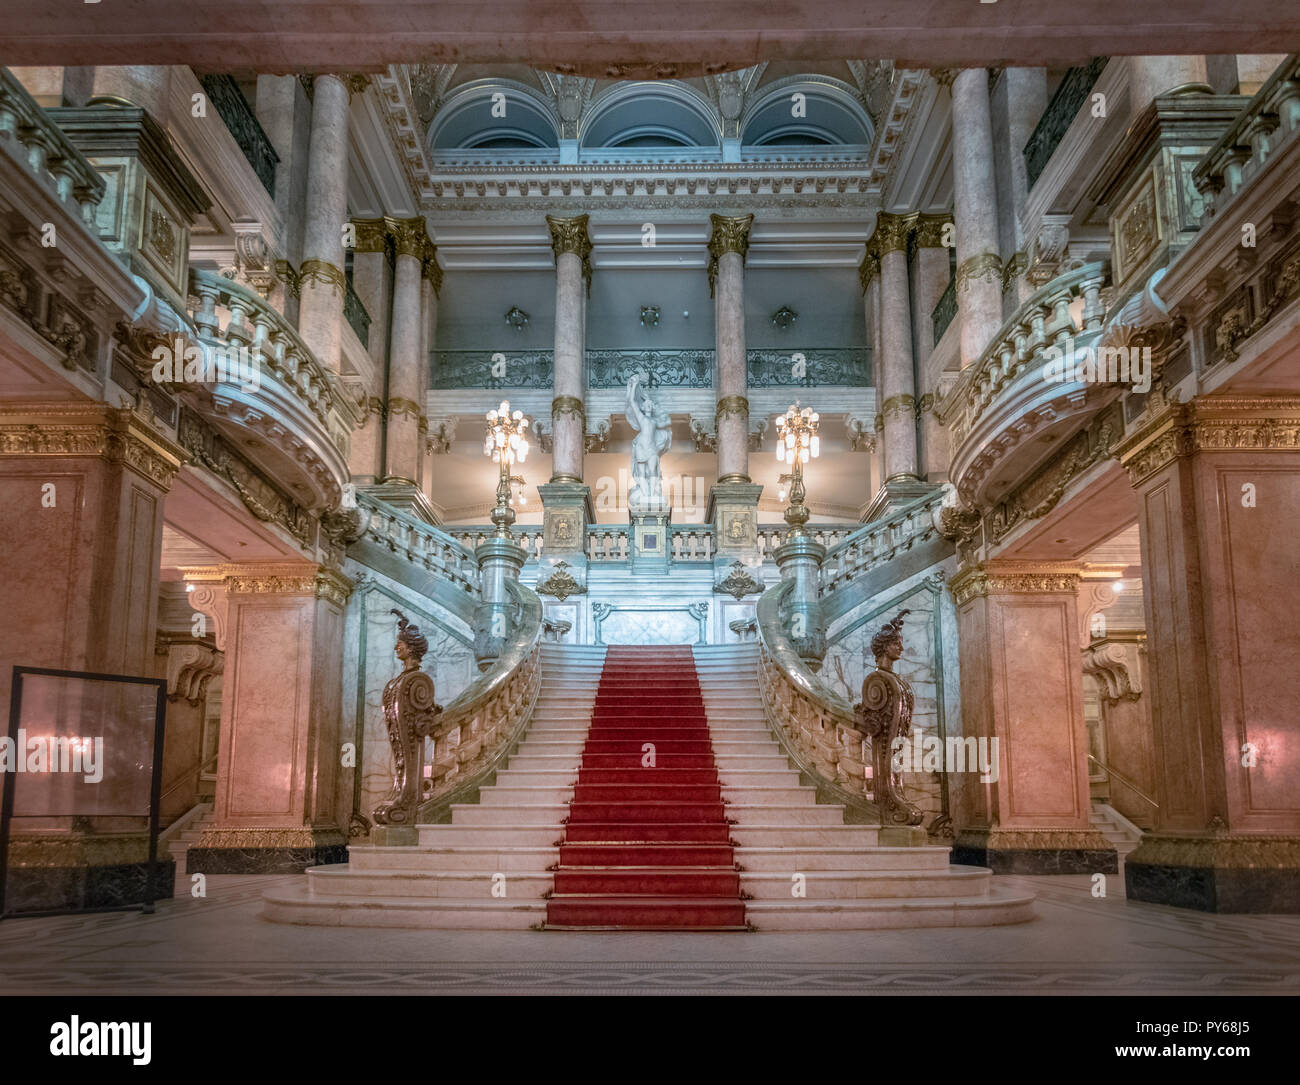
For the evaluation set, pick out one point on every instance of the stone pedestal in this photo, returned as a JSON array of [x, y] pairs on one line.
[[737, 564], [280, 752], [1216, 481], [1022, 686], [650, 537], [566, 512]]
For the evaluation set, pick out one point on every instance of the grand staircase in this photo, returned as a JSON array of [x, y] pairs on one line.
[[588, 828]]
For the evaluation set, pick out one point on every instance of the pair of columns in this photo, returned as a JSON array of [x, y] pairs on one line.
[[894, 311], [398, 278], [566, 498]]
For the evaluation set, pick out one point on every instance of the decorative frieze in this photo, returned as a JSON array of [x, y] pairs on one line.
[[1013, 578]]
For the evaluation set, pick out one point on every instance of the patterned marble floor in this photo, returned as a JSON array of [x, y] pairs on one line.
[[1078, 944]]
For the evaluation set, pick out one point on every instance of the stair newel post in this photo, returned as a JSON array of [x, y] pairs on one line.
[[800, 557]]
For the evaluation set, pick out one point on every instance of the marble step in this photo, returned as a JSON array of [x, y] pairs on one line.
[[295, 905], [340, 880], [760, 832], [770, 796], [998, 908], [803, 814], [463, 857], [869, 884], [506, 835], [792, 858], [551, 813]]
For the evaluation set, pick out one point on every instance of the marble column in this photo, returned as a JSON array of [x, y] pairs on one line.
[[282, 689], [733, 499], [1019, 99], [975, 198], [1150, 77], [930, 273], [1216, 481], [405, 367], [869, 278], [284, 113], [82, 491], [430, 284], [1022, 686], [897, 373], [372, 279], [566, 498], [320, 277]]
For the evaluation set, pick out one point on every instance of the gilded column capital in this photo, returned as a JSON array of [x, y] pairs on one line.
[[370, 235], [284, 578], [892, 232], [943, 76], [570, 235], [868, 269], [934, 231], [1014, 578], [730, 233], [356, 83], [410, 236]]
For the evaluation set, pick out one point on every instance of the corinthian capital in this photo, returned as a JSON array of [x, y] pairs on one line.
[[730, 234], [570, 235]]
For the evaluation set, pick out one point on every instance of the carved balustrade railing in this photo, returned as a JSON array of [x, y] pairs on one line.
[[1069, 306], [354, 312], [1071, 94], [671, 368], [422, 544], [231, 316], [810, 367], [472, 536], [607, 542], [692, 542], [878, 542], [815, 725], [945, 312], [771, 536], [48, 153], [473, 735], [1270, 120]]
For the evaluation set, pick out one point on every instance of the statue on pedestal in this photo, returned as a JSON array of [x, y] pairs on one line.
[[410, 712], [885, 714], [654, 436]]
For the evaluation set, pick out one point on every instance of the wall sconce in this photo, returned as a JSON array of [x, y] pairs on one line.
[[784, 317], [516, 318], [649, 316]]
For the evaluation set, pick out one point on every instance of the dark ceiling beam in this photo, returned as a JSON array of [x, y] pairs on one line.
[[630, 38]]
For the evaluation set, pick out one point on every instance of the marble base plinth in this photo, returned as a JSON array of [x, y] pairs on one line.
[[265, 851], [1216, 874], [1037, 851]]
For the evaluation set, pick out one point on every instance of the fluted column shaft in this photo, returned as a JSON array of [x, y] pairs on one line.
[[320, 314], [572, 248], [975, 197], [727, 247]]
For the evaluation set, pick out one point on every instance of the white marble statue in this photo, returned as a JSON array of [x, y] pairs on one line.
[[654, 436]]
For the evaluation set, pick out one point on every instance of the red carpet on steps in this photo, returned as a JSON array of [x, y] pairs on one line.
[[647, 847]]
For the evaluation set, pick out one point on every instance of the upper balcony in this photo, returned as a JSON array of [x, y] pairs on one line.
[[1007, 408], [272, 397]]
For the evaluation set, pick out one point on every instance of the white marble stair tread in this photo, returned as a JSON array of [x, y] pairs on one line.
[[997, 908], [295, 905], [793, 858], [468, 885], [869, 884]]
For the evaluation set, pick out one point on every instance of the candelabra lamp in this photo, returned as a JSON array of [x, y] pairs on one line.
[[800, 556], [499, 557], [507, 444]]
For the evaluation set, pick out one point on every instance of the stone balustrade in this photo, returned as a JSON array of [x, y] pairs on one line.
[[485, 723], [879, 542], [815, 725], [475, 535], [1271, 120], [1009, 395], [268, 380], [692, 542], [49, 154], [438, 552], [607, 542]]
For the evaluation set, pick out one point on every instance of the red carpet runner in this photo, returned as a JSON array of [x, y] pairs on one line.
[[647, 847]]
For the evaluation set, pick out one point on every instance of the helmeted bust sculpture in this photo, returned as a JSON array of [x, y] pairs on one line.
[[409, 712], [885, 714]]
